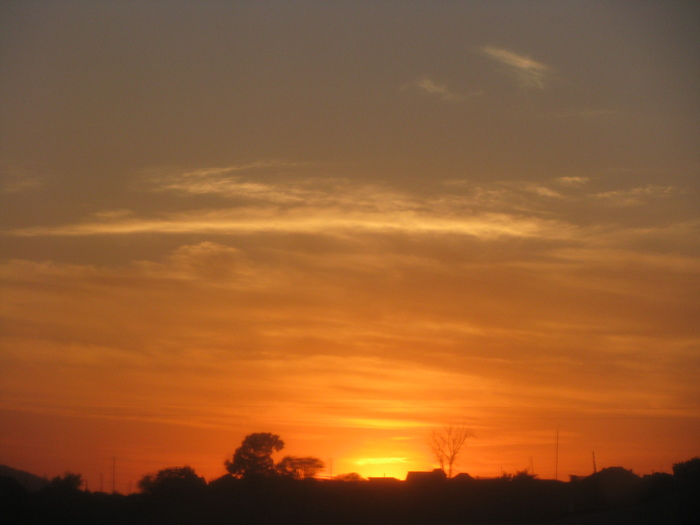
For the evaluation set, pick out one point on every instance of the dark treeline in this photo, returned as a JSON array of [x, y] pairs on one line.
[[257, 491], [613, 495]]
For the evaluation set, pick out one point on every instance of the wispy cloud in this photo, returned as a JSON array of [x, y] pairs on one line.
[[229, 181], [440, 90], [16, 180], [529, 72], [239, 183], [638, 195], [572, 181], [330, 206], [338, 206], [255, 166], [313, 221]]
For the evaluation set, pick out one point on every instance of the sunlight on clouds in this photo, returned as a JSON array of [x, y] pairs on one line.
[[441, 91], [390, 360], [509, 208], [638, 195], [333, 206], [238, 188], [305, 191], [315, 221], [529, 72], [163, 178], [367, 311], [572, 181], [207, 260]]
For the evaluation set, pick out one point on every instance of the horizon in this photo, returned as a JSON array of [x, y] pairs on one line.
[[130, 484], [349, 224], [324, 475]]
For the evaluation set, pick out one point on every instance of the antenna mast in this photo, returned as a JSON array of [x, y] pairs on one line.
[[556, 462]]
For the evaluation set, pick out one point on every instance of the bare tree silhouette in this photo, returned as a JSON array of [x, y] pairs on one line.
[[446, 444]]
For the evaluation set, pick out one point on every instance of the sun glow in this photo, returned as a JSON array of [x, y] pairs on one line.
[[390, 467]]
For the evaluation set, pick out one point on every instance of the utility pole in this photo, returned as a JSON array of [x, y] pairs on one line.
[[556, 462], [595, 470], [114, 473]]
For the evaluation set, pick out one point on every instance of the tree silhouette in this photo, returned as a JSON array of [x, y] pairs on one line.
[[253, 459], [350, 476], [523, 476], [688, 469], [69, 482], [446, 445], [299, 467], [172, 481]]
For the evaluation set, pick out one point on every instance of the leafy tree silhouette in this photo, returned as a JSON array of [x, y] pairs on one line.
[[253, 459], [69, 482], [299, 467], [688, 469], [172, 481]]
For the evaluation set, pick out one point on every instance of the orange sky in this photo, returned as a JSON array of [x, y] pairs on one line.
[[348, 225]]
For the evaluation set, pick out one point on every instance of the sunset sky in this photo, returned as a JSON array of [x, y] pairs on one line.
[[349, 223]]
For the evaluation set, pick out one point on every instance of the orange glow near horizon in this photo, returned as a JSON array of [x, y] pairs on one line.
[[348, 226]]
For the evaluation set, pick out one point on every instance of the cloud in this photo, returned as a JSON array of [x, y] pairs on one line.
[[325, 206], [256, 166], [283, 191], [356, 337], [320, 221], [17, 180], [528, 72], [335, 211], [638, 195], [229, 181], [352, 338], [343, 208], [432, 88], [572, 181]]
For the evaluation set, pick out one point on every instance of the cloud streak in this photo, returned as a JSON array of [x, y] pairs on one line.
[[441, 91], [529, 72], [341, 207], [14, 180], [324, 222], [637, 195], [321, 207]]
